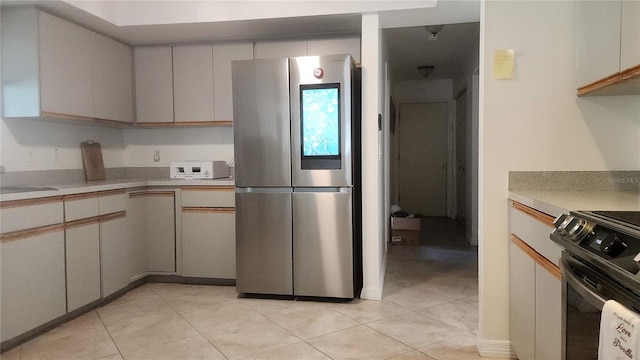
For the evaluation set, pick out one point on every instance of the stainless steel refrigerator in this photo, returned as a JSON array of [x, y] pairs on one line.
[[297, 176]]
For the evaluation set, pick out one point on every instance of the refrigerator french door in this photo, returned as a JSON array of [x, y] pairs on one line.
[[296, 183]]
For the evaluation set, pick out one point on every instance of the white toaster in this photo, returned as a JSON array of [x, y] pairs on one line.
[[198, 170]]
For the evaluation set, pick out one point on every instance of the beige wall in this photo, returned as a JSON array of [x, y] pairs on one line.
[[535, 122]]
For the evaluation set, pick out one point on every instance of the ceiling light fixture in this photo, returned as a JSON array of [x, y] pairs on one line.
[[425, 70], [433, 31]]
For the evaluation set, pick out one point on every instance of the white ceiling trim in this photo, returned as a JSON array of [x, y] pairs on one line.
[[166, 12]]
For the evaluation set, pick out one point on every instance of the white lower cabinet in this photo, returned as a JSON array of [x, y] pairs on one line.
[[32, 258], [152, 227], [32, 282], [114, 253], [209, 243], [208, 233], [82, 264], [522, 285], [535, 287], [161, 232], [548, 338]]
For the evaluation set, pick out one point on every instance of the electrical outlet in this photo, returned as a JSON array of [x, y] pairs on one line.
[[156, 155]]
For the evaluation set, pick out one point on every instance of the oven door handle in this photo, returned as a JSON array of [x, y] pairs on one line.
[[581, 288]]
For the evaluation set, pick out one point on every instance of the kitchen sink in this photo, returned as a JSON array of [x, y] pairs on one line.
[[20, 189]]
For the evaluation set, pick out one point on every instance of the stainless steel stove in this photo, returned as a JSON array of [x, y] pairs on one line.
[[601, 262]]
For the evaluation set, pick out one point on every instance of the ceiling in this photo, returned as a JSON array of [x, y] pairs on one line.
[[408, 47]]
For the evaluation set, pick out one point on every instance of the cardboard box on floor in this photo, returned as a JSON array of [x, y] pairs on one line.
[[405, 231]]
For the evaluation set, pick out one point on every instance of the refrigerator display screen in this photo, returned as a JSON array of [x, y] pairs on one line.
[[320, 117]]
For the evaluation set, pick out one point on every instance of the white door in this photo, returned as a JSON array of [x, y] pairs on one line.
[[423, 158]]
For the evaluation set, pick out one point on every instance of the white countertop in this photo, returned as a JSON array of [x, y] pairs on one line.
[[555, 203], [110, 184]]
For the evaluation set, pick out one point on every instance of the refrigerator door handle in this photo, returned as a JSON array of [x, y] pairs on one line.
[[245, 190], [346, 190]]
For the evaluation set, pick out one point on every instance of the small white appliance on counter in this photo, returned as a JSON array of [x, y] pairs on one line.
[[198, 170]]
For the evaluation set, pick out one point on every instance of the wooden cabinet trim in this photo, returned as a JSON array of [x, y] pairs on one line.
[[540, 216], [113, 216], [29, 202], [214, 123], [86, 120], [628, 74], [94, 194], [82, 222], [151, 193], [209, 188], [22, 234], [552, 268], [217, 210]]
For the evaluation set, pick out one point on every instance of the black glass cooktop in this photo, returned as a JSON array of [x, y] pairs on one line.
[[629, 217]]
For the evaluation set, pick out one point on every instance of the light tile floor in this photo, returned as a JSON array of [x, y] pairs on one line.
[[429, 311]]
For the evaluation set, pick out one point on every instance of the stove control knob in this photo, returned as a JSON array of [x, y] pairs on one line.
[[577, 229], [612, 245], [562, 222]]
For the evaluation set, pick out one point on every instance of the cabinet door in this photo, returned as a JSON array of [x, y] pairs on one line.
[[522, 293], [154, 84], [280, 49], [33, 282], [209, 243], [598, 40], [137, 226], [83, 264], [114, 256], [548, 337], [630, 35], [161, 232], [112, 80], [193, 83], [223, 55], [66, 69], [348, 45]]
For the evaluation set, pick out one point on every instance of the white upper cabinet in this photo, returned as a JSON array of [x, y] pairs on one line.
[[223, 55], [66, 69], [112, 80], [630, 35], [608, 51], [598, 40], [193, 93], [154, 84], [55, 69]]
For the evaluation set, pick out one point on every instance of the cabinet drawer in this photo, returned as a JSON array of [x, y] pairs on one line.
[[112, 201], [208, 196], [80, 206], [28, 214], [534, 228]]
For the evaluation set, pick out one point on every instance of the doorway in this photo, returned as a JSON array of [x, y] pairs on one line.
[[422, 158]]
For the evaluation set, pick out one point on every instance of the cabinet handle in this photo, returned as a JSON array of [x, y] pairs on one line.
[[219, 210], [23, 234], [540, 216]]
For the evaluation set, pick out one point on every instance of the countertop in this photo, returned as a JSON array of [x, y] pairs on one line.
[[557, 202], [110, 184]]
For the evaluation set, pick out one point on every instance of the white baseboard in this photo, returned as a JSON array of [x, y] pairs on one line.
[[371, 294], [496, 349]]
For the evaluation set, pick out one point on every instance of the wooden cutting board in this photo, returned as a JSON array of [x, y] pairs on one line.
[[92, 160]]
